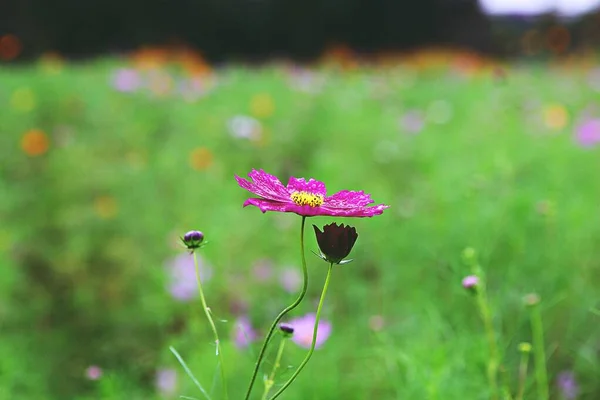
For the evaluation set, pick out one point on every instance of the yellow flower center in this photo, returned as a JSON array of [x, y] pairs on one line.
[[307, 199]]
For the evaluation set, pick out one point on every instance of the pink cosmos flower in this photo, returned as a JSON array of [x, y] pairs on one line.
[[304, 328], [306, 198]]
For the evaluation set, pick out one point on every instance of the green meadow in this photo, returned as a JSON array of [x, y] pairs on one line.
[[104, 166]]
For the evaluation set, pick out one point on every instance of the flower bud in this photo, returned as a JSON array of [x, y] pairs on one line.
[[336, 242], [470, 283], [286, 329], [193, 239]]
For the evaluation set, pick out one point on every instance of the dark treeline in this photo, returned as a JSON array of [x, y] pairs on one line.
[[249, 29]]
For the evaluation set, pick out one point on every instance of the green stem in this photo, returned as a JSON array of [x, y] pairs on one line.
[[314, 339], [269, 383], [212, 326], [286, 310], [522, 374], [486, 316], [539, 354]]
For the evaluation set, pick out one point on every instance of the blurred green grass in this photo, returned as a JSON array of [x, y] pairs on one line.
[[89, 223]]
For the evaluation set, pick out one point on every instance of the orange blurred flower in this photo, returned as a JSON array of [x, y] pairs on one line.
[[10, 47], [106, 207], [201, 158], [150, 58], [342, 55], [192, 62], [35, 142], [555, 116], [262, 105]]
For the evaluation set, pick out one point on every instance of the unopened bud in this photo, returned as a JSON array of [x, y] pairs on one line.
[[193, 239]]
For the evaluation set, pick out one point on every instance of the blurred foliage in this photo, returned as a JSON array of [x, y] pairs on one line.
[[104, 164]]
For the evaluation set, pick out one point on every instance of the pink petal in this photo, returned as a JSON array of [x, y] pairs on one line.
[[264, 185], [312, 186], [308, 211], [348, 199], [325, 209]]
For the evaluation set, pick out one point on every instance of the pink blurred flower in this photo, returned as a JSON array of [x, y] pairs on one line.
[[182, 276], [244, 332], [262, 270], [93, 372], [192, 89], [304, 327], [470, 282], [376, 323], [290, 279], [166, 381], [587, 132], [126, 80]]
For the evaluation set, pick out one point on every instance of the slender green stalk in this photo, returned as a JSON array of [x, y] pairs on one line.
[[212, 326], [314, 339], [539, 354], [271, 380], [286, 310], [523, 370], [486, 316]]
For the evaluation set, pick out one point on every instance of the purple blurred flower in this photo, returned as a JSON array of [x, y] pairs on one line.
[[412, 122], [304, 328], [244, 332], [93, 372], [126, 80], [182, 281], [290, 279], [166, 381], [567, 384], [587, 132]]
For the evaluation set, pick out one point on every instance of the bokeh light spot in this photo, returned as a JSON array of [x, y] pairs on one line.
[[23, 100], [262, 105]]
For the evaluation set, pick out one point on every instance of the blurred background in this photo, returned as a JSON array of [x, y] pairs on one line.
[[123, 123]]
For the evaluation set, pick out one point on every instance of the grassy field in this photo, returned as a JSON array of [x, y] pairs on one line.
[[105, 164]]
